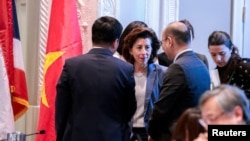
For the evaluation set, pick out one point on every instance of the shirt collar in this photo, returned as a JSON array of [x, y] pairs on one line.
[[181, 52]]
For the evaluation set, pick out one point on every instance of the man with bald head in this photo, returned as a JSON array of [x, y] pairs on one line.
[[184, 82], [162, 57]]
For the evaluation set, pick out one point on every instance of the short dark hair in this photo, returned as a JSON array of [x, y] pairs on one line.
[[129, 27], [140, 32], [189, 26], [106, 30]]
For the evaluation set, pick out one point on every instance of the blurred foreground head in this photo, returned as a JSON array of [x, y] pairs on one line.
[[225, 104]]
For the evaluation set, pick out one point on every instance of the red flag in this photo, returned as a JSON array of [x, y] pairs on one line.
[[64, 41], [12, 54]]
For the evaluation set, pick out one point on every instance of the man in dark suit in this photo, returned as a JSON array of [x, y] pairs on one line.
[[162, 57], [96, 92], [184, 82]]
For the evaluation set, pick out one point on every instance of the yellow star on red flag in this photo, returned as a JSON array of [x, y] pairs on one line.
[[50, 58]]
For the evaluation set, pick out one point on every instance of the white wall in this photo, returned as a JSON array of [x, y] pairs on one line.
[[206, 16], [155, 13], [246, 44], [241, 26], [131, 10]]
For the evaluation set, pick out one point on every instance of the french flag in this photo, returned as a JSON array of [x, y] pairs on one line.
[[13, 89], [18, 88]]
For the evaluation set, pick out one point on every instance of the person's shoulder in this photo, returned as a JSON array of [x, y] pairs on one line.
[[245, 60], [74, 58], [244, 64], [122, 62], [161, 54], [162, 57], [199, 54], [117, 55]]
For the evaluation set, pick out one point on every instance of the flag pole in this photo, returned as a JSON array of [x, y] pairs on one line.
[[43, 35]]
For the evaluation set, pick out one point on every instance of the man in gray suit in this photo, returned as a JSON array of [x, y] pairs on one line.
[[183, 84], [96, 92]]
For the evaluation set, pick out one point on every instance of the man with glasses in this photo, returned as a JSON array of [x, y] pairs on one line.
[[225, 105], [162, 57], [184, 82]]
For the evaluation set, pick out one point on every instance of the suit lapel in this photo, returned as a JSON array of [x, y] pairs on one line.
[[150, 84]]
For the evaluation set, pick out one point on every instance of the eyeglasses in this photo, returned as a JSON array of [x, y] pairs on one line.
[[213, 118], [161, 42]]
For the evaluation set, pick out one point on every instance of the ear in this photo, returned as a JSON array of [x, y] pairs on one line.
[[170, 41], [130, 51], [114, 45], [238, 112]]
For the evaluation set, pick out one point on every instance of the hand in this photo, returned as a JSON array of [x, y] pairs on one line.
[[202, 137]]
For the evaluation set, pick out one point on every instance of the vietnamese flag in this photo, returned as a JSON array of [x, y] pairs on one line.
[[64, 41]]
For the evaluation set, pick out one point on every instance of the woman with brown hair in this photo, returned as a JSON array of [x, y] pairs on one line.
[[140, 49], [132, 25], [188, 126]]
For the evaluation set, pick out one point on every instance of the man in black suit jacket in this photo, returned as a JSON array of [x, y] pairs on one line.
[[96, 92], [184, 82], [162, 57]]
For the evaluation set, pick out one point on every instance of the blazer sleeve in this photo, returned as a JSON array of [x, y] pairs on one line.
[[164, 111], [131, 100]]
